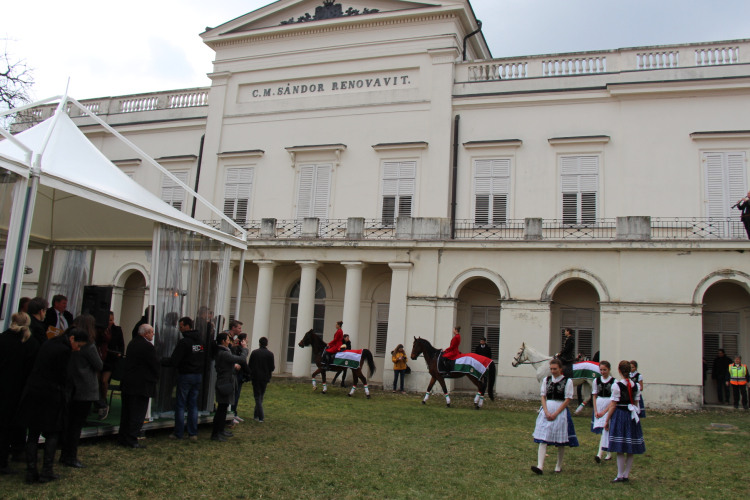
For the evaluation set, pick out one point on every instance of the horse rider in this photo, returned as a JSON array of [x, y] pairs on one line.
[[567, 354], [452, 352], [334, 345]]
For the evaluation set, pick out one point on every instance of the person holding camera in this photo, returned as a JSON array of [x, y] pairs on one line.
[[744, 206], [226, 364]]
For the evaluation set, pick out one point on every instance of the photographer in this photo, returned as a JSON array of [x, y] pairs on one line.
[[744, 206]]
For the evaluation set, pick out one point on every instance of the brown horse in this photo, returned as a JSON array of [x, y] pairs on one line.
[[318, 346], [486, 383]]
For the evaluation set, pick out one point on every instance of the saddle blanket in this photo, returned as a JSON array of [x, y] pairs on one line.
[[584, 369], [471, 364], [348, 359]]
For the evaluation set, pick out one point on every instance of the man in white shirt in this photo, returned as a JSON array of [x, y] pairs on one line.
[[57, 316]]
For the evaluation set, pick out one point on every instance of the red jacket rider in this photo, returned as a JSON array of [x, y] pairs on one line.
[[338, 339], [452, 352]]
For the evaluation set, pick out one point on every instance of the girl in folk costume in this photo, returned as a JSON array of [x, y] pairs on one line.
[[623, 423], [637, 379], [554, 424], [602, 393]]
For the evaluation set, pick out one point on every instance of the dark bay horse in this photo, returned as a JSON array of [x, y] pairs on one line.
[[318, 346], [486, 383]]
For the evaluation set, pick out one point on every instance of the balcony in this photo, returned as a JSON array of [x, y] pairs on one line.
[[530, 229], [609, 61]]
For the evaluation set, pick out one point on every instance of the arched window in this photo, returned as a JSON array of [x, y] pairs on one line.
[[319, 313]]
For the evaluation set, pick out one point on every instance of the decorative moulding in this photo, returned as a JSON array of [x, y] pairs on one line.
[[400, 145], [444, 55], [336, 148], [128, 162], [500, 143], [727, 134], [250, 153], [173, 159], [583, 139]]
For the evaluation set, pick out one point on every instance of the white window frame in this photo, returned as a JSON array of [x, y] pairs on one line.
[[168, 183], [495, 179], [584, 185], [249, 172], [731, 191], [386, 166]]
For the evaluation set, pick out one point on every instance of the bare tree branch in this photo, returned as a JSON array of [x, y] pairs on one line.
[[16, 80]]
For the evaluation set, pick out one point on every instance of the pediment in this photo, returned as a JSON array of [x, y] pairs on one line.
[[293, 12]]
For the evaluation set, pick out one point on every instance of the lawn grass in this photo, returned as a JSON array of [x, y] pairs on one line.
[[391, 446]]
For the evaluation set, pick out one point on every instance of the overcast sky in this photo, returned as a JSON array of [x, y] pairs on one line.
[[115, 48]]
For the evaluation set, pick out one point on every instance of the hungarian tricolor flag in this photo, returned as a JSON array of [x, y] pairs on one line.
[[348, 359], [473, 364], [586, 369]]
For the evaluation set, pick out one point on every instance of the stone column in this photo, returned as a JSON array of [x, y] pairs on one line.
[[352, 300], [262, 319], [397, 309], [305, 312]]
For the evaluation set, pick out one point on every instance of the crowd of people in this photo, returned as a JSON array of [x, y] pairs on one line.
[[54, 368]]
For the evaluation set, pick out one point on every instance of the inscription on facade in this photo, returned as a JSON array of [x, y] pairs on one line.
[[328, 86]]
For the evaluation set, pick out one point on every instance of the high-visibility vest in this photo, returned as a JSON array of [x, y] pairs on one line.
[[737, 374]]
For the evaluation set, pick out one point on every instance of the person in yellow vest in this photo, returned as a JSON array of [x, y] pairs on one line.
[[738, 378]]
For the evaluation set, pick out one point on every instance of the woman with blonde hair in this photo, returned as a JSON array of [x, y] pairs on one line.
[[17, 355]]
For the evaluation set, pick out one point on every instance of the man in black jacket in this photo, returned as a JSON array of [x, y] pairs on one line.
[[483, 349], [140, 374], [720, 375], [37, 310], [261, 367], [744, 206], [567, 353], [189, 358], [57, 315]]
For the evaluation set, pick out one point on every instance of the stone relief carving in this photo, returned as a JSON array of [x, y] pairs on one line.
[[329, 10]]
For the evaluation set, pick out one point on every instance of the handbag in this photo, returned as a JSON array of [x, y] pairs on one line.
[[225, 389], [408, 370]]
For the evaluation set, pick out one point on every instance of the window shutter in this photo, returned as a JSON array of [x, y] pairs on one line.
[[715, 185], [479, 316], [711, 322], [173, 193], [389, 209], [736, 169], [322, 192], [237, 191], [482, 209], [711, 345], [491, 190], [477, 333], [305, 194], [399, 181], [585, 318], [404, 206], [485, 323], [579, 183], [500, 209], [381, 334], [568, 318], [585, 342]]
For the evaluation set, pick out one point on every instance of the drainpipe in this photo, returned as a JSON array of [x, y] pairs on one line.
[[198, 174], [479, 28], [455, 177]]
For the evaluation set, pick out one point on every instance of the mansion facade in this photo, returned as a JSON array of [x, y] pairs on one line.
[[393, 175]]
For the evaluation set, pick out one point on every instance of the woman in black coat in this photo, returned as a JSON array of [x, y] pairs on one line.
[[43, 400], [226, 382], [17, 354]]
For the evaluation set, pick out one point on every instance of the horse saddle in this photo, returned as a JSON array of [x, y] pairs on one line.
[[445, 366]]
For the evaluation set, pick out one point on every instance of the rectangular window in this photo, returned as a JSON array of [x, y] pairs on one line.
[[173, 193], [579, 181], [237, 190], [720, 331], [314, 191], [485, 323], [491, 191], [381, 329], [581, 321], [725, 184], [399, 179]]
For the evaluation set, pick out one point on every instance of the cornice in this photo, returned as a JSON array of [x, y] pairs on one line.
[[727, 134], [129, 162], [177, 158], [584, 139], [400, 145], [336, 148], [500, 143], [250, 153]]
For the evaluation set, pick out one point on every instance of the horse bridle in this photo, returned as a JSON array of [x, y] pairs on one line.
[[520, 353]]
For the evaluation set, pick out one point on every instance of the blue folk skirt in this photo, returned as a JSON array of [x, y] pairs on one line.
[[625, 434], [642, 414]]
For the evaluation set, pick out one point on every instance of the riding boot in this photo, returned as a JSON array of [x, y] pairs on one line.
[[50, 447], [32, 474]]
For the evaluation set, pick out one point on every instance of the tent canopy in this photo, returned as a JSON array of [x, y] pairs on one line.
[[86, 194]]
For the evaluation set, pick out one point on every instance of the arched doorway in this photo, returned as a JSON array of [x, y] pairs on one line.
[[726, 311], [319, 313], [478, 313], [133, 293], [575, 305]]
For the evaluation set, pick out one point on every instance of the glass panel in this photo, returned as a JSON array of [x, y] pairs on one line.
[[70, 273], [189, 284], [320, 291]]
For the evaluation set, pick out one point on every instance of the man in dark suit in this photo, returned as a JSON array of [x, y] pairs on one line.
[[744, 205], [483, 349], [37, 311], [261, 367], [57, 315], [140, 374], [567, 353]]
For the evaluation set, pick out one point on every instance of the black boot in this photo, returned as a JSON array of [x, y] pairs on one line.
[[32, 474], [50, 447]]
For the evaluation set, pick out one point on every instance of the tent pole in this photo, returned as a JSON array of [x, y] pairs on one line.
[[238, 299], [154, 278]]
